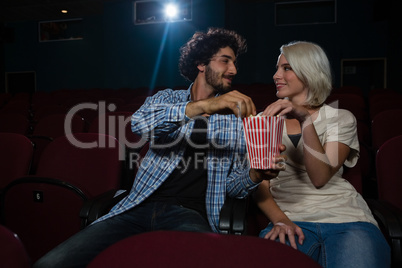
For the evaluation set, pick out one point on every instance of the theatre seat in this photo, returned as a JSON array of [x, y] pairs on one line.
[[190, 249], [385, 126], [50, 127], [76, 182], [12, 252], [118, 125], [388, 208], [14, 123], [15, 157]]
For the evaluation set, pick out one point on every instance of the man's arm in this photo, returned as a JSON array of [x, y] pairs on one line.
[[232, 102], [283, 226], [161, 114]]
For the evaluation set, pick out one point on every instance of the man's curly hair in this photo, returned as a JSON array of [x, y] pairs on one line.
[[202, 46]]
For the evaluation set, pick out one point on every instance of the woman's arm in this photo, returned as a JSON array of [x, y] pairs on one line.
[[283, 226], [322, 162]]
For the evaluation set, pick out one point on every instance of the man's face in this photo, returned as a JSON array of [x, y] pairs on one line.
[[221, 70]]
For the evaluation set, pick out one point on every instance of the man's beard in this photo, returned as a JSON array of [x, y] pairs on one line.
[[214, 79]]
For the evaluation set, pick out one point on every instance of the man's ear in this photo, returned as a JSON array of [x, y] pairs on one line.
[[201, 67]]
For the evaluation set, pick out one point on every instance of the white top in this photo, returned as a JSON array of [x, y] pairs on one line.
[[337, 201]]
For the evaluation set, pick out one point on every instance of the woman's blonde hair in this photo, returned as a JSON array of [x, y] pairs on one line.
[[311, 66]]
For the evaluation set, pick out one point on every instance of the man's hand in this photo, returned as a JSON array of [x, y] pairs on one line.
[[232, 102], [258, 175]]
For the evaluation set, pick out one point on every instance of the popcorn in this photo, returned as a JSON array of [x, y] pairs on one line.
[[263, 137], [259, 114]]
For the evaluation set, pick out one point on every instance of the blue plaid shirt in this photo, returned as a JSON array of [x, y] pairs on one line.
[[162, 121]]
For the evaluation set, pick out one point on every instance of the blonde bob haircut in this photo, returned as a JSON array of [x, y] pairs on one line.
[[311, 66]]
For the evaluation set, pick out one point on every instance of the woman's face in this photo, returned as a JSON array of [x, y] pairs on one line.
[[287, 83]]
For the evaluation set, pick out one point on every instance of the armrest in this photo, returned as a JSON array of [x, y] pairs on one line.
[[239, 225], [225, 216], [389, 219], [387, 216], [232, 217], [100, 205]]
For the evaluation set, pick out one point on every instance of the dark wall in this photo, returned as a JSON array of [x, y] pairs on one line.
[[361, 31], [116, 53]]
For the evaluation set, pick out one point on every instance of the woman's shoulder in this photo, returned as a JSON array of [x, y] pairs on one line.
[[338, 115]]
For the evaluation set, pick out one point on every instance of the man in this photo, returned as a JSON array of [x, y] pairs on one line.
[[197, 155]]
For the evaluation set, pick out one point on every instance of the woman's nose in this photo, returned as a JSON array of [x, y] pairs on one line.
[[276, 75]]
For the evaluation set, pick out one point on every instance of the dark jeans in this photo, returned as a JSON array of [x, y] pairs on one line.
[[84, 246]]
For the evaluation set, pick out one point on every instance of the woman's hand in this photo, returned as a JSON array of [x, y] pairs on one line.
[[286, 107], [283, 229]]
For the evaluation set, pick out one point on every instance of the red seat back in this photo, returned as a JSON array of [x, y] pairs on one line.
[[13, 123], [191, 249], [47, 208], [386, 125], [116, 124], [389, 179], [12, 253], [54, 125], [89, 161], [50, 127], [42, 212], [15, 157]]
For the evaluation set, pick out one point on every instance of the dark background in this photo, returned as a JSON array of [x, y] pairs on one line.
[[115, 53]]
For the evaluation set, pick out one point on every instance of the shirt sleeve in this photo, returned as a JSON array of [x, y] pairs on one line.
[[240, 184], [344, 129], [161, 114]]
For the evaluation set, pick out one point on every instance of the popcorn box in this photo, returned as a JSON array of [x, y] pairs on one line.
[[263, 135]]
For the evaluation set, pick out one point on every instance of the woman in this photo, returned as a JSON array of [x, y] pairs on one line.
[[310, 200]]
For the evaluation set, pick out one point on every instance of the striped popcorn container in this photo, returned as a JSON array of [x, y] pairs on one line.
[[263, 136]]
